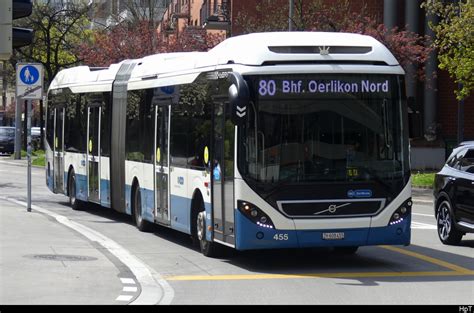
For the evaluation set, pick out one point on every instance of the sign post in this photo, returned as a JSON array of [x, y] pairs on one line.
[[29, 86]]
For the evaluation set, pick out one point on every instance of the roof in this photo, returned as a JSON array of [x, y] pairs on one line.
[[255, 49]]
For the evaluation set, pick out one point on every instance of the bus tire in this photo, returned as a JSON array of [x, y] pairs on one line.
[[71, 190], [142, 224], [208, 248]]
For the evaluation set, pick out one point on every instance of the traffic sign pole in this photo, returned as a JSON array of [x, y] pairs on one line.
[[28, 150], [29, 86]]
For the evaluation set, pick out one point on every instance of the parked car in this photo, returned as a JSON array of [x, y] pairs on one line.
[[7, 139], [454, 195], [36, 137]]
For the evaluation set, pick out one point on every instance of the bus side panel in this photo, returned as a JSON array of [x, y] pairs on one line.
[[78, 162], [147, 191], [143, 172], [49, 166], [180, 200], [131, 171], [105, 182], [197, 181]]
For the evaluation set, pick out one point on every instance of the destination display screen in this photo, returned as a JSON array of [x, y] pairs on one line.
[[325, 85]]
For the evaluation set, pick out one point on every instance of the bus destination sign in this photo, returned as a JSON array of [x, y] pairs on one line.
[[288, 87]]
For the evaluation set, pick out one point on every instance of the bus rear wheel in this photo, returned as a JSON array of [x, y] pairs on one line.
[[208, 248], [141, 223], [71, 186]]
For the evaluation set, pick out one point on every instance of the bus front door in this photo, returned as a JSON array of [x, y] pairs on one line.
[[162, 118], [58, 162], [223, 174], [93, 153]]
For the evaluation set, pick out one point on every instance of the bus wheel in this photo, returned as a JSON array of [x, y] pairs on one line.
[[346, 250], [141, 224], [209, 249], [71, 186]]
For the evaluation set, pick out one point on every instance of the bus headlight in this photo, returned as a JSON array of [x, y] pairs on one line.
[[254, 214], [401, 213]]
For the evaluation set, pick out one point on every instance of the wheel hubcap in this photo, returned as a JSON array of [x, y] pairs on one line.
[[444, 223], [72, 192], [200, 226], [138, 206]]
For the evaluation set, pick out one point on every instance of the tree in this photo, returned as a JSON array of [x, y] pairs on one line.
[[59, 27], [455, 41], [316, 15], [117, 43], [131, 40]]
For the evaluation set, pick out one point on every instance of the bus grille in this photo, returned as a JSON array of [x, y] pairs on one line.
[[331, 208]]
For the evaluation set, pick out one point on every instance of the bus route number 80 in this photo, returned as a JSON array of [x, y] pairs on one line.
[[267, 88]]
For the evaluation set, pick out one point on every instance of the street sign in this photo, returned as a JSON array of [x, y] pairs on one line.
[[29, 81]]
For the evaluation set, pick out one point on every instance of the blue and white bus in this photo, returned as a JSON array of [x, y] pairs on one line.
[[269, 140]]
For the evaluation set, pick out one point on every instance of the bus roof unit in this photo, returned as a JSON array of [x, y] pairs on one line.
[[257, 49]]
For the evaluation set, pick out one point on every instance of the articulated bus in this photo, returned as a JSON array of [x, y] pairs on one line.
[[268, 140]]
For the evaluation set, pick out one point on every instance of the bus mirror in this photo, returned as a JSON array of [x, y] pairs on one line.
[[238, 98]]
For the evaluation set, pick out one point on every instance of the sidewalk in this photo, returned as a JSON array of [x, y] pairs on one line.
[[43, 262], [22, 162]]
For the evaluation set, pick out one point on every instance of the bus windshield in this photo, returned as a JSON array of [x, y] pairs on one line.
[[323, 128]]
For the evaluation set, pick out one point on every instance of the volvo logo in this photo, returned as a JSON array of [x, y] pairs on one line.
[[332, 208]]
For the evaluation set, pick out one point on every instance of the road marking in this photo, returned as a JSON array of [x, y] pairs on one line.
[[125, 298], [130, 289], [313, 275], [455, 270], [128, 281], [154, 289], [423, 201], [453, 267], [420, 214], [418, 225]]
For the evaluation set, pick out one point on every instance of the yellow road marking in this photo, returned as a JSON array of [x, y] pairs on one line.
[[455, 270], [313, 275], [441, 263]]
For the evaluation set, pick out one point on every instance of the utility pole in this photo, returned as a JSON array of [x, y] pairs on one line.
[[3, 74], [290, 15]]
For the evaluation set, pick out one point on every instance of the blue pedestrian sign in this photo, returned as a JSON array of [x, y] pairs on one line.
[[29, 75], [29, 81]]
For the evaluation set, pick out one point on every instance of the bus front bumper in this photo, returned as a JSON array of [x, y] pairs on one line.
[[250, 236]]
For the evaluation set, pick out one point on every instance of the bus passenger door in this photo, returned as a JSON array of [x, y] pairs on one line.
[[58, 150], [162, 117], [223, 174], [93, 153]]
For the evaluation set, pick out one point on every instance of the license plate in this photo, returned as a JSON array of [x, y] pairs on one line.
[[333, 236]]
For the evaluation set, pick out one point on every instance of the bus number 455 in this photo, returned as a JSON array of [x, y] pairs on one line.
[[280, 237]]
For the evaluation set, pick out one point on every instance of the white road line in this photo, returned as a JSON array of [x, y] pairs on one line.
[[417, 225], [423, 201], [128, 281], [125, 298], [154, 289], [130, 289], [421, 214]]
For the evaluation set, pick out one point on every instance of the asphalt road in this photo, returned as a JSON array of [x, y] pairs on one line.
[[164, 267]]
